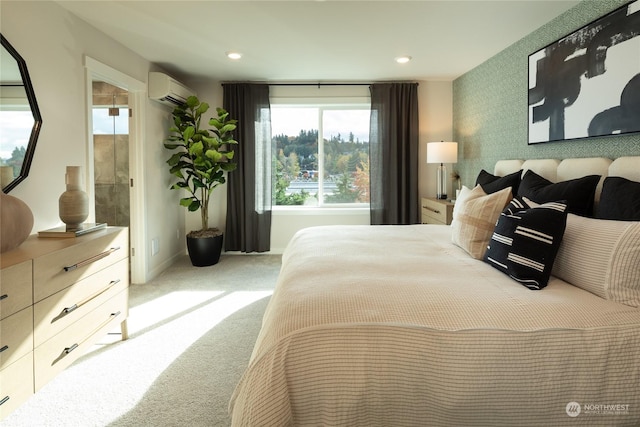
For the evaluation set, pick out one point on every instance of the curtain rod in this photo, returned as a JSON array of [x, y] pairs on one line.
[[318, 84], [308, 84]]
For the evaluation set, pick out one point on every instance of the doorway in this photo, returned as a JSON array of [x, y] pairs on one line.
[[111, 153], [118, 169]]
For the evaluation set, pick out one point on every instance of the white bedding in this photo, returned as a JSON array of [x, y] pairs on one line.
[[395, 326]]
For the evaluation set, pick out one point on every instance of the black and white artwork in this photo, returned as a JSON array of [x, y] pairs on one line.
[[587, 84]]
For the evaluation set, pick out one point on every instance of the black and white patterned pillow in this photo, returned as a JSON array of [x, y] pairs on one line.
[[525, 241]]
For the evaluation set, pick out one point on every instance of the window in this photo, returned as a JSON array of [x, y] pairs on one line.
[[16, 127], [321, 154], [16, 122], [104, 124]]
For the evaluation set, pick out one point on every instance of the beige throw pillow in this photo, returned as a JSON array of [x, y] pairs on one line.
[[474, 218], [601, 256]]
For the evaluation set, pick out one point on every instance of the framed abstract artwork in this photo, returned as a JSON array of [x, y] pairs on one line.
[[587, 84]]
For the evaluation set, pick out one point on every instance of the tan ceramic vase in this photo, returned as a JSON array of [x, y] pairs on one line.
[[74, 203], [16, 222]]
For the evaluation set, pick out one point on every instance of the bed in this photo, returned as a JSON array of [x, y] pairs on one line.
[[399, 326]]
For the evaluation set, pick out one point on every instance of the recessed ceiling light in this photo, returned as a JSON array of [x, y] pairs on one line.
[[234, 55], [403, 59]]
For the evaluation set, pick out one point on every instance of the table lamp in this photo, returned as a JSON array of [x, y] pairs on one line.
[[442, 152]]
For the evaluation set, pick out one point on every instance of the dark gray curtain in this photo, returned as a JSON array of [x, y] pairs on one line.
[[249, 186], [393, 144]]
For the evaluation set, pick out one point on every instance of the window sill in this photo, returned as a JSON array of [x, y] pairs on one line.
[[315, 210]]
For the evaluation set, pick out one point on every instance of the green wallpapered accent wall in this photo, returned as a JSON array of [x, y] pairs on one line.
[[490, 104]]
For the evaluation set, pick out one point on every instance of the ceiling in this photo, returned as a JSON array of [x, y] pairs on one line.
[[313, 40]]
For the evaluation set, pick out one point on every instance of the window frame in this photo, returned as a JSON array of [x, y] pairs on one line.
[[322, 104]]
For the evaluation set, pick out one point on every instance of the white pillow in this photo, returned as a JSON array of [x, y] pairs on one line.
[[474, 218], [602, 257]]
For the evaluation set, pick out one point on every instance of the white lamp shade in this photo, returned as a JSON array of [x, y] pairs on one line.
[[442, 152]]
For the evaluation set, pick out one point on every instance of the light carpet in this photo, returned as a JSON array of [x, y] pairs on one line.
[[191, 333]]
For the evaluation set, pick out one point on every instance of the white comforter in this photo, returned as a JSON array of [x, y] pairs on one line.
[[395, 326]]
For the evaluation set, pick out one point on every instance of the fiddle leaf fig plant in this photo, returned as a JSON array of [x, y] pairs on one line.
[[201, 157]]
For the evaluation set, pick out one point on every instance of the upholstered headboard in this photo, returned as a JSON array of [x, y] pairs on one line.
[[561, 170]]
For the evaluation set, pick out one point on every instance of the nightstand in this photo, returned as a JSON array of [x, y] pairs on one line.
[[436, 211]]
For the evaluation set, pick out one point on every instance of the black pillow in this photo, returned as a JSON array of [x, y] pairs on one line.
[[492, 183], [525, 241], [578, 193], [619, 200]]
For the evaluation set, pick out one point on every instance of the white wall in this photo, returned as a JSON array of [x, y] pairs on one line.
[[435, 100], [53, 43], [285, 223]]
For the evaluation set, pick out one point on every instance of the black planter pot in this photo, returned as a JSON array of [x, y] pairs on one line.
[[204, 251]]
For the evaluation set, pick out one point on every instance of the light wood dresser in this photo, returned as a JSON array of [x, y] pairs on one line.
[[58, 297]]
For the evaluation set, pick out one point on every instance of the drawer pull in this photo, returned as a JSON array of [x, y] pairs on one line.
[[4, 400], [4, 348], [90, 260], [77, 305], [68, 310], [3, 297], [431, 209], [70, 349]]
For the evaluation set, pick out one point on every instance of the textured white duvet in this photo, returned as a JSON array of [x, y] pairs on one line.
[[395, 326]]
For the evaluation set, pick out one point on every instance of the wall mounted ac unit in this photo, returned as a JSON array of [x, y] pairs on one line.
[[167, 90]]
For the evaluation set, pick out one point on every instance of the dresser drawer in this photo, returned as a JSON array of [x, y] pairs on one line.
[[16, 384], [16, 336], [54, 313], [16, 291], [56, 354], [436, 211], [60, 269]]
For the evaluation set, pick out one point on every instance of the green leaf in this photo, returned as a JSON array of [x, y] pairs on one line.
[[222, 113], [173, 160], [228, 167], [192, 101], [216, 123], [176, 170], [197, 183], [188, 133], [196, 149], [194, 206], [211, 142], [227, 128], [186, 202], [202, 108], [214, 155]]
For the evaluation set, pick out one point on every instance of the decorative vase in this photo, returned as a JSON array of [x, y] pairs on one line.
[[74, 203], [6, 175], [16, 222]]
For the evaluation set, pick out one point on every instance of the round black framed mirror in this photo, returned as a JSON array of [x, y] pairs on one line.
[[20, 118]]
